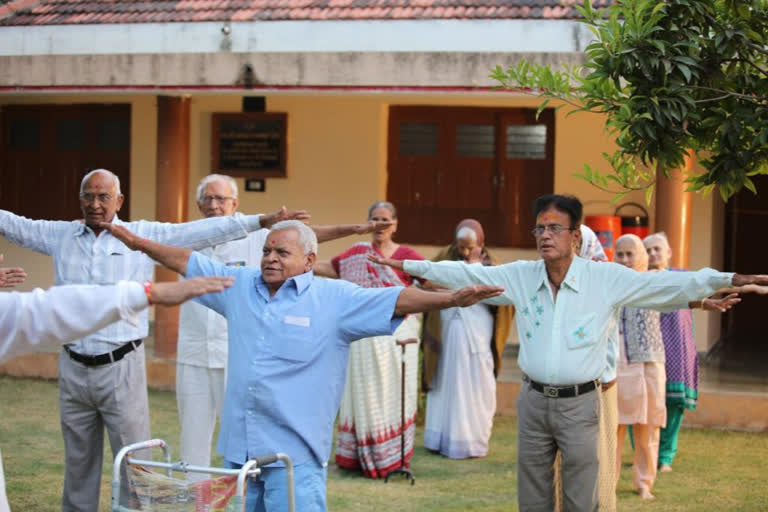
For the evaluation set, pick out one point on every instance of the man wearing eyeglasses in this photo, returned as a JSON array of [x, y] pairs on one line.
[[202, 346], [102, 377], [567, 307]]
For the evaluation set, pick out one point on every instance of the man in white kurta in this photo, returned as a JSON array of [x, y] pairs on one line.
[[38, 320], [201, 358]]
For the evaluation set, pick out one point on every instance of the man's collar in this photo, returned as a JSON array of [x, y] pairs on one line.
[[572, 277], [84, 228], [300, 282]]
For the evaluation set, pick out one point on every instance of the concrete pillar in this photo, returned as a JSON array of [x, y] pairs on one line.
[[171, 200], [673, 212]]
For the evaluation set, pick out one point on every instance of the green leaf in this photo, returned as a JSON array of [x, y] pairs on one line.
[[541, 108]]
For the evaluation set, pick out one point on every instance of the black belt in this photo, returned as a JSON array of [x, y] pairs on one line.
[[102, 359], [561, 391]]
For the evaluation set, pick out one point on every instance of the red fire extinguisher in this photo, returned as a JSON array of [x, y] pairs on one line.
[[607, 228], [634, 224]]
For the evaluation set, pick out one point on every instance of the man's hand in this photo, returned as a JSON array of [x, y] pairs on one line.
[[131, 240], [469, 295], [390, 262], [720, 305], [747, 288], [372, 225], [10, 277], [176, 292], [745, 279], [269, 220]]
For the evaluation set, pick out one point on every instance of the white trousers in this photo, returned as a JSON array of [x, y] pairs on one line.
[[3, 500], [199, 397]]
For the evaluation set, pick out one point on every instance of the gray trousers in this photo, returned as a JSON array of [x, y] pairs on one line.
[[91, 398], [544, 426]]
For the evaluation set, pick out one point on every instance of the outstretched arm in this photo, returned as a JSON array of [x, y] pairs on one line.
[[413, 300], [334, 231], [10, 277], [325, 269], [37, 320], [714, 305], [269, 220], [175, 258]]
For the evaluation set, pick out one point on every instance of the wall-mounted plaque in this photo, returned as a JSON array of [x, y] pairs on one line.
[[249, 144]]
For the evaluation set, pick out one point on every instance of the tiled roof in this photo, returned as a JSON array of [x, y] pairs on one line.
[[58, 12]]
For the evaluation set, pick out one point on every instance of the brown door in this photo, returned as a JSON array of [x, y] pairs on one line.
[[450, 163], [743, 344], [526, 171], [45, 150]]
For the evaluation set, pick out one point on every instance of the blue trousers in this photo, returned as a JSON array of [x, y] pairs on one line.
[[268, 493]]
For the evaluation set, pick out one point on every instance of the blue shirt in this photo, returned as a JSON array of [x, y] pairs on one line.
[[566, 341], [287, 359]]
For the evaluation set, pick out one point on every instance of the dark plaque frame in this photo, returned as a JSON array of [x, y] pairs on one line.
[[249, 144]]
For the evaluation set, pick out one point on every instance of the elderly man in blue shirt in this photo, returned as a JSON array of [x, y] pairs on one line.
[[567, 310], [289, 337]]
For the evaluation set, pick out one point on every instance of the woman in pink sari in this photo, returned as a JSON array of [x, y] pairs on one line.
[[369, 417]]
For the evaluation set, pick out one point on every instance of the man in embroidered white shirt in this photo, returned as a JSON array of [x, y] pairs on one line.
[[566, 309], [102, 377]]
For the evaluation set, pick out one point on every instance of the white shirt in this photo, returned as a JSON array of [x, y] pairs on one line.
[[202, 331], [38, 320], [565, 342], [80, 257]]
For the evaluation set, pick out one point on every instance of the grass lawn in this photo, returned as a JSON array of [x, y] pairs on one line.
[[716, 470]]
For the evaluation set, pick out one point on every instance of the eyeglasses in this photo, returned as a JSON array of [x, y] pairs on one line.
[[218, 199], [555, 229], [90, 198]]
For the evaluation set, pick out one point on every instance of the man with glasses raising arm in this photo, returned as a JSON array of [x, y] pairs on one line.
[[102, 377], [567, 307]]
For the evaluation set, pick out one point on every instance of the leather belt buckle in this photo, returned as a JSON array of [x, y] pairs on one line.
[[551, 392]]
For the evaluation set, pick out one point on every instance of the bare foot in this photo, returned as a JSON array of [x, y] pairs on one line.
[[665, 468], [646, 494]]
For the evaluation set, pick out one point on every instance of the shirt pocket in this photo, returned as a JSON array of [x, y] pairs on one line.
[[584, 333], [294, 342]]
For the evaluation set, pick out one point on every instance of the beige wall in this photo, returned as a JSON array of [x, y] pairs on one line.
[[337, 165]]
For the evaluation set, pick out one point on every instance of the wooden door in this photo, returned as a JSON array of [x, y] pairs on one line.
[[743, 337], [45, 150], [446, 164]]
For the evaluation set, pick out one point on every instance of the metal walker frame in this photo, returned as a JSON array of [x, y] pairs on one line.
[[251, 468]]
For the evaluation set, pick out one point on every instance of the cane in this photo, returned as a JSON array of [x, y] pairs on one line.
[[402, 470]]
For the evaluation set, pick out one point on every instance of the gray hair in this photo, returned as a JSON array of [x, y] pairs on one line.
[[307, 237], [383, 204], [661, 236], [466, 232], [105, 172], [211, 178]]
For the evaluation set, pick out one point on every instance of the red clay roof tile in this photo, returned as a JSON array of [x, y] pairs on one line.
[[54, 12]]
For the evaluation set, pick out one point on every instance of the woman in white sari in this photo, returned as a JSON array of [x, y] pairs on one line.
[[462, 356]]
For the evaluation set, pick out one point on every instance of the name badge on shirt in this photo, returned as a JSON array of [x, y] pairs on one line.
[[235, 264], [301, 321]]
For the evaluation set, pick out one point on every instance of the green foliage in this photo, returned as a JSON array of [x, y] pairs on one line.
[[670, 76]]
